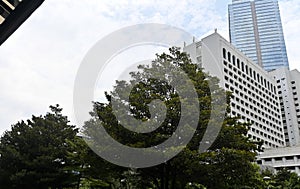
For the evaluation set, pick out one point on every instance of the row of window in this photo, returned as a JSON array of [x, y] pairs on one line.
[[296, 103], [262, 128], [262, 105], [248, 70], [259, 108], [254, 85], [294, 159], [266, 136], [266, 143], [262, 124], [294, 88], [275, 141], [252, 88]]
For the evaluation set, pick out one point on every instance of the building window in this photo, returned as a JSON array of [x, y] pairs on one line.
[[233, 60], [229, 56], [243, 67], [272, 89], [224, 53], [238, 63], [259, 161]]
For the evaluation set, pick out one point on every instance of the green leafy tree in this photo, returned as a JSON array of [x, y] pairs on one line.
[[294, 181], [34, 153], [229, 161], [284, 179], [93, 172]]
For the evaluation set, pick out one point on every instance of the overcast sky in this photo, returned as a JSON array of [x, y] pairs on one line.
[[39, 62]]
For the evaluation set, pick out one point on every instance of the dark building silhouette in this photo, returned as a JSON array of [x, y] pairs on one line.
[[13, 13]]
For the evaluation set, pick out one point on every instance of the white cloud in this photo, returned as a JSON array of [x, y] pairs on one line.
[[290, 15]]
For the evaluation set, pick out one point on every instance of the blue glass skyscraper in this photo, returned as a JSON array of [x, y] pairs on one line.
[[255, 28]]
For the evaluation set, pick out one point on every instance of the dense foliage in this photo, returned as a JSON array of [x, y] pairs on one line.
[[34, 153], [227, 164]]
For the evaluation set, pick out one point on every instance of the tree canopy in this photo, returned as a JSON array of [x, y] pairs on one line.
[[228, 163], [34, 153]]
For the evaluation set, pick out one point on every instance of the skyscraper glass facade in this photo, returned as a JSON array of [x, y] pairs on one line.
[[255, 28]]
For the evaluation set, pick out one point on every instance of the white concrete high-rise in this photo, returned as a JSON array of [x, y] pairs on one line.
[[288, 84], [255, 98]]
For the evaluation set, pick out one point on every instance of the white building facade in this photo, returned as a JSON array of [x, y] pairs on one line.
[[255, 98], [288, 85], [279, 158]]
